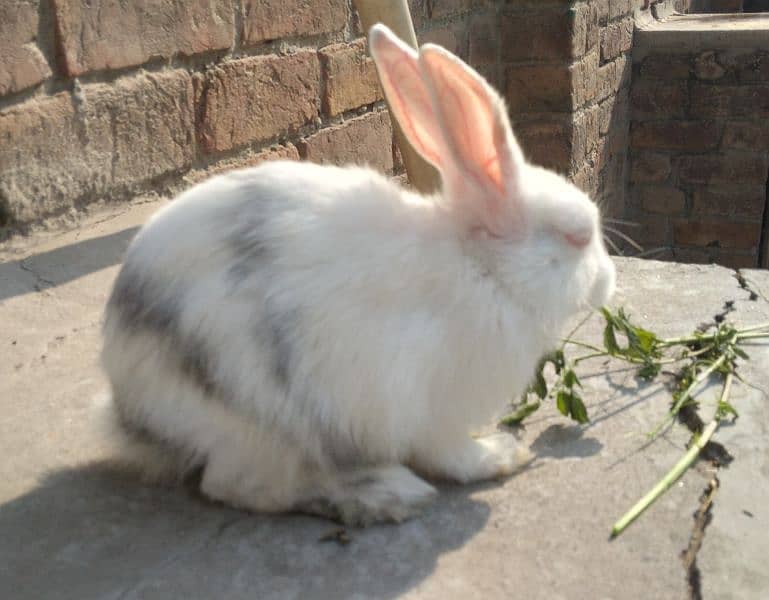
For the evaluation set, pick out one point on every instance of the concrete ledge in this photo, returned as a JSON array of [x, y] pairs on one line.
[[72, 526], [687, 33]]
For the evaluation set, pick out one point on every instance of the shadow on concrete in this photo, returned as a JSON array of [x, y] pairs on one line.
[[94, 532], [565, 441], [64, 264]]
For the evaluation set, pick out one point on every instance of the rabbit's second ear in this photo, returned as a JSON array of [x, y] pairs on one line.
[[481, 153], [406, 92]]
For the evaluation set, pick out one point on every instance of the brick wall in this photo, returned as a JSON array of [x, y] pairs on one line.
[[700, 142], [104, 100]]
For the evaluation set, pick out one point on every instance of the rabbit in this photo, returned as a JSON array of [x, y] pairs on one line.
[[319, 339]]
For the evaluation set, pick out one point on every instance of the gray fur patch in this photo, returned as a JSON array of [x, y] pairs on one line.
[[249, 248], [143, 306]]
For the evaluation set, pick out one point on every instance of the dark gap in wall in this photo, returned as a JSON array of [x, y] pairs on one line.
[[763, 243]]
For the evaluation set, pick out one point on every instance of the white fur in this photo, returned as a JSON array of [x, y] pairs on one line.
[[402, 329]]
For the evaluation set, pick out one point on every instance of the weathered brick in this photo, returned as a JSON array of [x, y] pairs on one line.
[[723, 168], [716, 233], [444, 8], [706, 66], [613, 113], [612, 77], [246, 160], [700, 256], [737, 260], [265, 20], [747, 135], [58, 150], [694, 136], [484, 39], [737, 200], [256, 99], [652, 230], [647, 167], [548, 141], [539, 88], [662, 199], [350, 76], [709, 101], [666, 66], [659, 99], [451, 36], [21, 63], [620, 8], [753, 66], [557, 33], [365, 140], [106, 34], [616, 39]]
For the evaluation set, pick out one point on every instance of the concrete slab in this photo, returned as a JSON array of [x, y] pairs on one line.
[[73, 526]]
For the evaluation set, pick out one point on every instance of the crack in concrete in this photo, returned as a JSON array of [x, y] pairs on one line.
[[42, 283], [702, 518]]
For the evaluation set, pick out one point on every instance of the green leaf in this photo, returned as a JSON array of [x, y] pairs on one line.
[[578, 410], [741, 353], [519, 415], [609, 339], [649, 371], [570, 379], [539, 387], [562, 402], [724, 409]]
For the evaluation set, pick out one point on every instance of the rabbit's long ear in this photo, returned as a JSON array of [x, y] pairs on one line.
[[407, 94], [480, 148]]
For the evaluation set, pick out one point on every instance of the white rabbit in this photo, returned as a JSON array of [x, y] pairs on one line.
[[309, 336]]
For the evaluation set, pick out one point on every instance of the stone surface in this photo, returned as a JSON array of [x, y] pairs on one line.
[[255, 99], [350, 77], [265, 20], [73, 525], [364, 140], [22, 65], [107, 34], [59, 149], [691, 136]]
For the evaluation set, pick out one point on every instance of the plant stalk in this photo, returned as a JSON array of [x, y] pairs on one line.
[[678, 469]]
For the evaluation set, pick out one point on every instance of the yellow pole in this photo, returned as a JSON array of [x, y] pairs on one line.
[[395, 14]]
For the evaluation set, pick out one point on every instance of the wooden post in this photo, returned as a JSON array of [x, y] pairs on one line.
[[395, 14]]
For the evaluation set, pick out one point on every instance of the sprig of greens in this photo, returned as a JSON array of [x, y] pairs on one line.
[[700, 357]]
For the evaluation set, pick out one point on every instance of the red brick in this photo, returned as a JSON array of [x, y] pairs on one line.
[[662, 199], [351, 77], [246, 160], [738, 200], [694, 136], [122, 34], [666, 66], [22, 64], [649, 168], [732, 168], [616, 39], [747, 135], [53, 154], [556, 33], [709, 101], [706, 66], [656, 99], [265, 20], [716, 233], [365, 140], [256, 99]]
